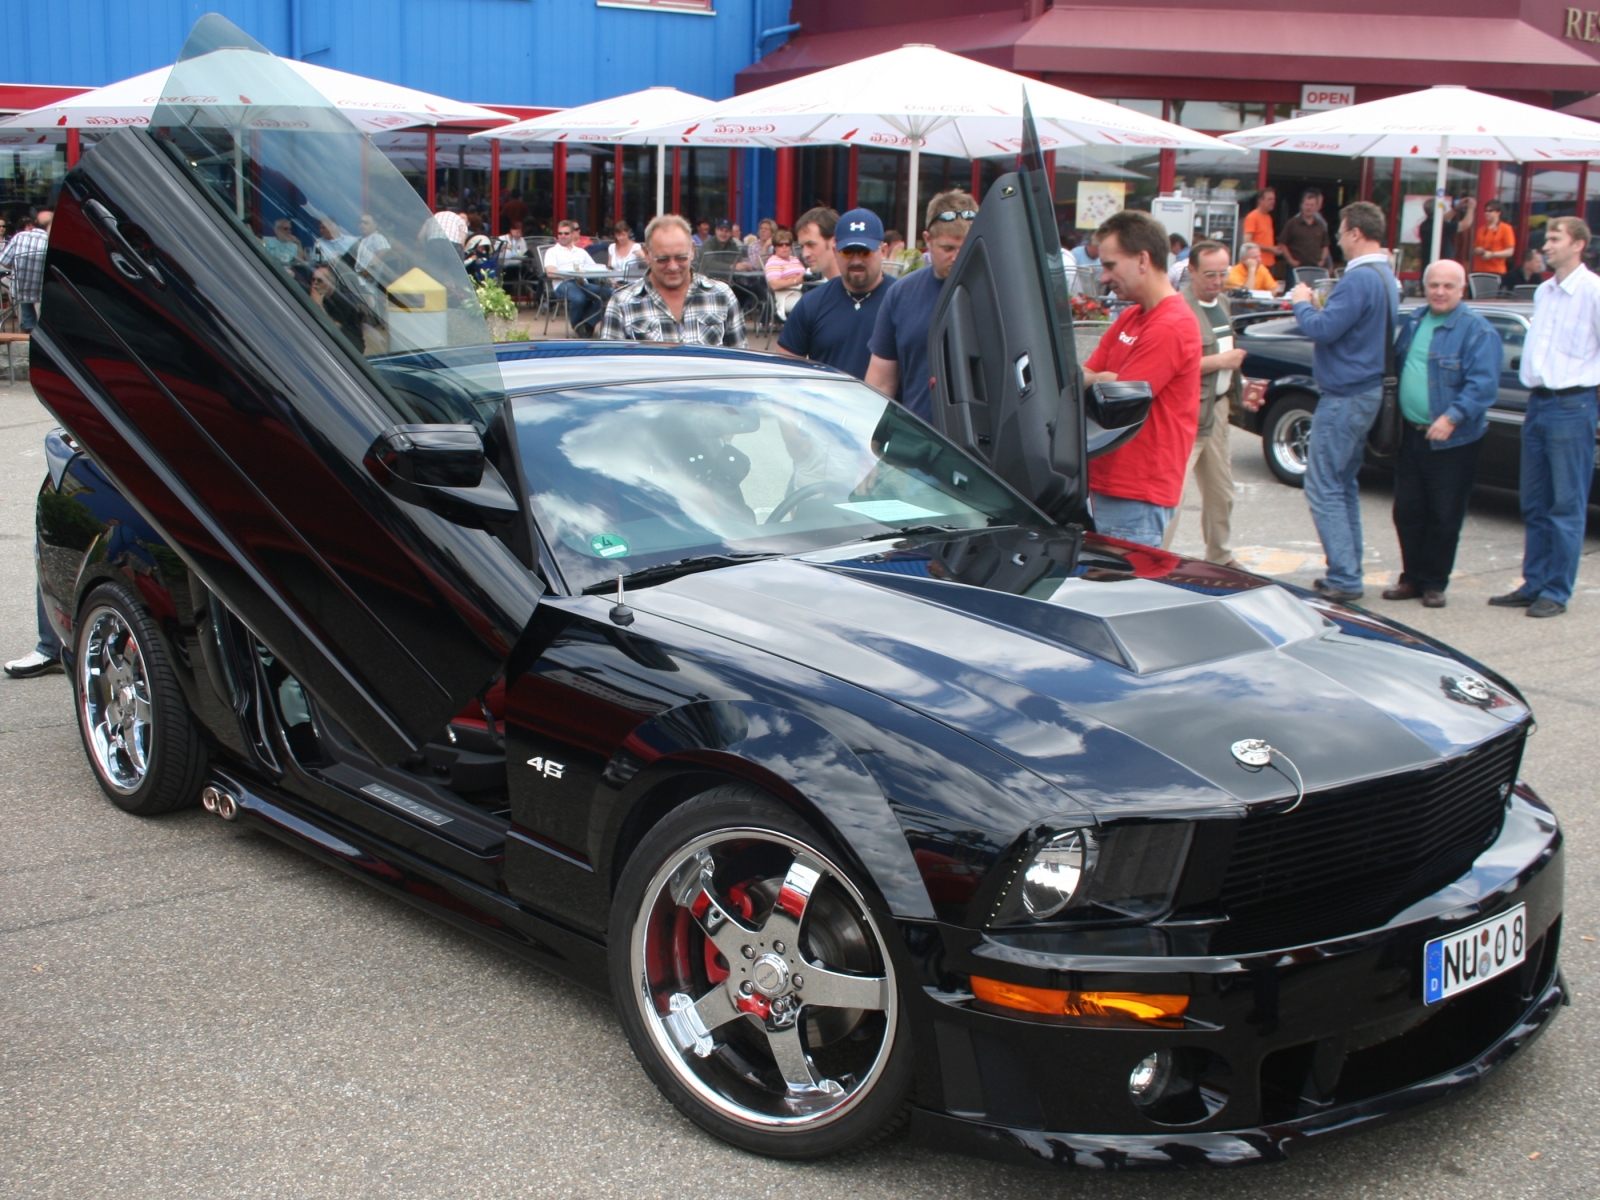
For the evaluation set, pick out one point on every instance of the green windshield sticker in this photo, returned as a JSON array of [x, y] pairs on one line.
[[608, 545], [888, 510]]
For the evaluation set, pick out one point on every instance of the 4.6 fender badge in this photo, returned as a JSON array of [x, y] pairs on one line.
[[549, 767]]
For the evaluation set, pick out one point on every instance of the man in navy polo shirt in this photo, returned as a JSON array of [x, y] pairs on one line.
[[899, 365], [833, 323]]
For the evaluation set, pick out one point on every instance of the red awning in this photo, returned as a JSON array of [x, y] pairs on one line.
[[1389, 52]]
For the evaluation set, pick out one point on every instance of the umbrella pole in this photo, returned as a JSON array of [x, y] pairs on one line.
[[238, 178], [911, 191], [1439, 181], [661, 178]]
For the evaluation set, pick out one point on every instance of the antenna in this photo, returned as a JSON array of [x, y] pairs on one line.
[[620, 612]]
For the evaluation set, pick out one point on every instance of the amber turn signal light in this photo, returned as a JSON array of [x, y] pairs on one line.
[[1144, 1007]]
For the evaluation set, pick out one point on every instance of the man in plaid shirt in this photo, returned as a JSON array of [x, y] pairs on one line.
[[24, 258], [673, 303]]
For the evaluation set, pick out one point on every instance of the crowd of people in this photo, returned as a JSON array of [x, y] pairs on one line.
[[1174, 332]]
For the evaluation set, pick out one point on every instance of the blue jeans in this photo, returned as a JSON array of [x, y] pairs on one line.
[[1557, 467], [584, 306], [49, 644], [1131, 520], [1338, 442], [28, 316]]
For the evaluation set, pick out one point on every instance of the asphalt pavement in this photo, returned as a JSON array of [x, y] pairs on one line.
[[189, 1009]]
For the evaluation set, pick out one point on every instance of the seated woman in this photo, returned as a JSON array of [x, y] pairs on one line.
[[784, 274], [624, 251]]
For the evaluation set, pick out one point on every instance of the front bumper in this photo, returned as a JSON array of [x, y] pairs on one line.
[[1288, 1047]]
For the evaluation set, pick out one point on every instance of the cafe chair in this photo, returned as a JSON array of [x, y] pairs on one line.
[[1485, 285], [1309, 275]]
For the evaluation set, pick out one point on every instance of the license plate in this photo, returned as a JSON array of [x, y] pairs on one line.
[[1461, 961]]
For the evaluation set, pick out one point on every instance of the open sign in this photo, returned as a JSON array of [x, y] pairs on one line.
[[1326, 95]]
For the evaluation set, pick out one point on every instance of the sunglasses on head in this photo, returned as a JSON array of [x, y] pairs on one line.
[[965, 214]]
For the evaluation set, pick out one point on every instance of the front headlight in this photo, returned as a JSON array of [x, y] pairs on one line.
[[1056, 871], [1119, 872]]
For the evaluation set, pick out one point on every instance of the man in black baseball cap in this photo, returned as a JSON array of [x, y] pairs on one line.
[[833, 323]]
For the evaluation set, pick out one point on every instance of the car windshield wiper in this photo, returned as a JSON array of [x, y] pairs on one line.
[[662, 572], [929, 531]]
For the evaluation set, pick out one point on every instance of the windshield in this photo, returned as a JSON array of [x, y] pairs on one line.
[[629, 476], [333, 217]]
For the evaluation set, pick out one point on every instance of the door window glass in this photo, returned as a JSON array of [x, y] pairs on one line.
[[333, 217]]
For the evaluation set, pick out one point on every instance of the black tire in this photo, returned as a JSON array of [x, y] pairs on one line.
[[726, 850], [1285, 430], [120, 672]]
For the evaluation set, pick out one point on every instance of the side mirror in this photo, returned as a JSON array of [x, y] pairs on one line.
[[442, 468], [1115, 412], [432, 455]]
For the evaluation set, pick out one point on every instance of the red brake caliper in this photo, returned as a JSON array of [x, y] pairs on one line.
[[739, 901]]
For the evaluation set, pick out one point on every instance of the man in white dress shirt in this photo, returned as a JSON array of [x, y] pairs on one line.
[[1561, 367], [566, 263]]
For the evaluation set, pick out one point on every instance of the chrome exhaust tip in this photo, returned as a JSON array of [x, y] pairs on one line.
[[216, 800]]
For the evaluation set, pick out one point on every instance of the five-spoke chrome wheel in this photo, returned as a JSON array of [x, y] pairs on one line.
[[114, 693], [762, 979]]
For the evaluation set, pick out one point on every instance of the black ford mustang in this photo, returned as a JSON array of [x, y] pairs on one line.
[[873, 790], [1279, 359]]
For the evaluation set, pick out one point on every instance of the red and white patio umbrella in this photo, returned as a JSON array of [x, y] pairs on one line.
[[371, 104], [1438, 122], [921, 98], [618, 120]]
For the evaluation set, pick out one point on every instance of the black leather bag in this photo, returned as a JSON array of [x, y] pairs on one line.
[[1383, 439]]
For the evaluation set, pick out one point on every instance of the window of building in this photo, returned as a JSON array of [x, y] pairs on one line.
[[701, 7]]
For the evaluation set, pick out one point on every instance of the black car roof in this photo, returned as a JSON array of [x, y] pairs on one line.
[[534, 366]]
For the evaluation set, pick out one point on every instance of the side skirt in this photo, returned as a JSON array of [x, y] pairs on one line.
[[443, 894]]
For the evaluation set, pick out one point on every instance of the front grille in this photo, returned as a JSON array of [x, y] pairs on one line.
[[1351, 858]]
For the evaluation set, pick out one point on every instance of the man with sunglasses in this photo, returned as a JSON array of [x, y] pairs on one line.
[[833, 324], [673, 303], [899, 365]]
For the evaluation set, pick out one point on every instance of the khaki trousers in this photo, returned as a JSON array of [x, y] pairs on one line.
[[1212, 468]]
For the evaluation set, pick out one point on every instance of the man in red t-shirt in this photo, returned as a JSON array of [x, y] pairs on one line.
[[1136, 488]]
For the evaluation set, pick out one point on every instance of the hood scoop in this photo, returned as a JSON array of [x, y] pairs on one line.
[[1138, 624]]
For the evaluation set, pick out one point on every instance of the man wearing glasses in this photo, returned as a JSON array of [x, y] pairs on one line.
[[833, 323], [673, 303], [1220, 384], [899, 365], [566, 263]]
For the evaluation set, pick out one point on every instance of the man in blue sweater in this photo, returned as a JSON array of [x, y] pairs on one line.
[[1350, 333]]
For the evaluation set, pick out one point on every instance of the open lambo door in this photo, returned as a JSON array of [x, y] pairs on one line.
[[308, 415], [1006, 383]]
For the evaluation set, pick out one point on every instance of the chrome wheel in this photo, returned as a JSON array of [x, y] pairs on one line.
[[1289, 442], [114, 697], [762, 980]]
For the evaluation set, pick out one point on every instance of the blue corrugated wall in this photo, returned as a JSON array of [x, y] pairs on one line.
[[538, 52]]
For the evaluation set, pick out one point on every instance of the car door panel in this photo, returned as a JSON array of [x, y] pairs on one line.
[[258, 421]]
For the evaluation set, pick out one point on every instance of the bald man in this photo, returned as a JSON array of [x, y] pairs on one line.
[[1450, 373]]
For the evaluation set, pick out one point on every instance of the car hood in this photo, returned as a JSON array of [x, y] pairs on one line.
[[1123, 676]]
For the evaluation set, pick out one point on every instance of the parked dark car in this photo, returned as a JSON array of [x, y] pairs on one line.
[[873, 789], [1280, 357]]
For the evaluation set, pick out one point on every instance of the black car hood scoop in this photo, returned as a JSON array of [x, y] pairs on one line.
[[1134, 656]]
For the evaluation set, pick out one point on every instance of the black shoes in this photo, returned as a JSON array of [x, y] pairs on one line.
[[1328, 592], [1543, 606], [31, 664]]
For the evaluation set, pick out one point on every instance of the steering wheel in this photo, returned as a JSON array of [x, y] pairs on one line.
[[796, 498]]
